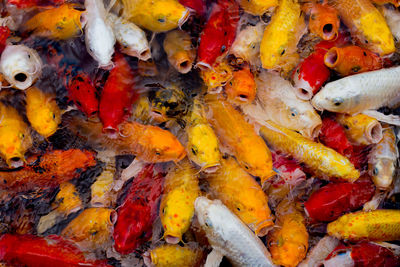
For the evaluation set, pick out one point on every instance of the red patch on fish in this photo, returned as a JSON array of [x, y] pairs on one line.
[[197, 5], [332, 135], [35, 3], [83, 93], [288, 169], [4, 34]]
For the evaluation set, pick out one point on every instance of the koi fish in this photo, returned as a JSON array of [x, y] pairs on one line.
[[20, 66], [4, 34], [92, 228], [219, 75], [258, 7], [52, 250], [174, 255], [242, 195], [66, 202], [366, 24], [360, 92], [138, 212], [242, 88], [229, 236], [132, 39], [42, 111], [202, 145], [99, 36], [333, 135], [362, 254], [324, 162], [288, 242], [181, 188], [100, 189], [156, 16], [240, 138], [218, 34], [118, 95], [180, 51], [351, 60], [247, 44], [276, 101], [324, 21], [83, 93], [197, 5], [331, 201], [278, 46], [60, 23], [35, 3], [376, 225], [361, 129], [49, 170], [16, 136], [382, 160]]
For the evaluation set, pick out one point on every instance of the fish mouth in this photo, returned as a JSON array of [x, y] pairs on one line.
[[263, 228], [171, 238], [111, 132], [184, 66], [304, 93], [15, 161], [373, 132], [22, 80], [203, 66], [312, 132], [332, 57], [329, 32], [212, 168], [145, 54]]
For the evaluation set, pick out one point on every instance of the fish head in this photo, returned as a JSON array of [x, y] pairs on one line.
[[14, 146], [218, 75], [335, 98], [202, 207], [83, 93], [242, 88], [382, 172]]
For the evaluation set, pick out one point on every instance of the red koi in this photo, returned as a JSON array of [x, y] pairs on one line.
[[138, 212], [35, 3], [290, 171], [365, 254], [47, 171], [118, 94], [34, 251], [197, 5], [331, 201], [219, 33], [83, 93], [4, 34]]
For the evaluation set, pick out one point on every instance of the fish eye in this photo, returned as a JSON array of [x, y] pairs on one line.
[[293, 112], [194, 150], [162, 20], [337, 101], [375, 171], [208, 223], [283, 52], [158, 152]]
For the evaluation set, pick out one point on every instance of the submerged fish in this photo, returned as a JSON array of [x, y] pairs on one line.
[[229, 237], [174, 255], [180, 51]]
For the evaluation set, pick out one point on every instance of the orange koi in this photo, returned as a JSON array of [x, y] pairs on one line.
[[242, 88], [324, 21]]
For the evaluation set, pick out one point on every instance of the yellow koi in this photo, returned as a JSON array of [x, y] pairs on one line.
[[288, 242], [42, 111], [181, 189], [63, 22], [240, 138], [242, 195], [321, 160], [217, 76], [174, 255], [180, 51], [101, 189], [202, 146], [376, 225]]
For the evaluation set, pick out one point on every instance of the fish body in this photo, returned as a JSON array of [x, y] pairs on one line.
[[258, 7], [333, 135], [60, 23], [277, 102], [228, 235], [366, 24], [240, 138], [42, 111], [359, 92], [35, 3], [118, 94], [377, 225], [156, 16], [331, 201], [281, 35], [361, 129], [217, 76], [219, 33], [174, 255], [99, 36], [202, 145], [138, 212], [362, 254], [242, 195], [49, 170], [83, 93], [181, 188], [15, 135], [247, 43], [324, 21], [20, 65], [49, 251], [351, 60], [288, 242], [382, 160], [4, 34], [180, 51], [100, 189], [199, 6], [92, 228], [393, 20], [324, 162], [132, 39], [242, 88]]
